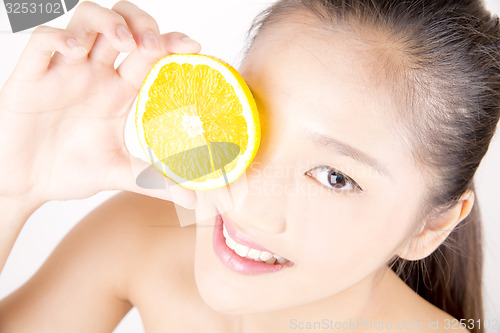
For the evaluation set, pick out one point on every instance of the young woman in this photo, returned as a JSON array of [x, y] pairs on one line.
[[375, 116]]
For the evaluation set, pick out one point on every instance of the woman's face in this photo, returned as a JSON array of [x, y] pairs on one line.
[[322, 109]]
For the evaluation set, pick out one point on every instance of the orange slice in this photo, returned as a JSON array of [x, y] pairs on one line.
[[197, 121]]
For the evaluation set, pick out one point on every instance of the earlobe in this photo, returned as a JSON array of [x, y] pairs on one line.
[[436, 228]]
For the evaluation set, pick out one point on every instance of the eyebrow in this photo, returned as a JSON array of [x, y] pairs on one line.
[[343, 148]]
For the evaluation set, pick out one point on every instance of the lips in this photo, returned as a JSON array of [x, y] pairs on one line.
[[251, 253], [241, 254]]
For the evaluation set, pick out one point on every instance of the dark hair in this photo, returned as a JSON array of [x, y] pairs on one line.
[[445, 69]]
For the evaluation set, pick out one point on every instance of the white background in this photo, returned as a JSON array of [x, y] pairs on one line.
[[220, 26]]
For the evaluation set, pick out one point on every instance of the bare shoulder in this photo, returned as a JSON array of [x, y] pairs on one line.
[[437, 320], [156, 251], [413, 313], [440, 321], [101, 266]]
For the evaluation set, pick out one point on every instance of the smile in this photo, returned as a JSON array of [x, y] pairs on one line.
[[250, 253], [241, 254]]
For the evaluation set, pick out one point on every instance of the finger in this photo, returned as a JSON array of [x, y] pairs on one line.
[[90, 19], [103, 52], [130, 176], [142, 25], [35, 59], [135, 67]]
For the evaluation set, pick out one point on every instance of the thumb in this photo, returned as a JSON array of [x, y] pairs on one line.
[[135, 175]]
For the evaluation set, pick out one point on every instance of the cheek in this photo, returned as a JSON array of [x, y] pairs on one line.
[[347, 238]]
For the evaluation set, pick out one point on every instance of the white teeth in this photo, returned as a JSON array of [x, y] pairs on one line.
[[230, 243], [254, 254], [241, 250], [271, 261], [264, 256], [282, 261], [245, 251]]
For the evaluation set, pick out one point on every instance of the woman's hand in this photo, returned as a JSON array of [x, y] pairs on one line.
[[64, 108]]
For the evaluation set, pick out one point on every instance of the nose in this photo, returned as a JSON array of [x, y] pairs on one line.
[[259, 197]]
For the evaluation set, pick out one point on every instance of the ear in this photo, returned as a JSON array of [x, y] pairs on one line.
[[436, 228]]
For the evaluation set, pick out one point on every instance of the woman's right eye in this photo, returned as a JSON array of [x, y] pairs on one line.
[[333, 179]]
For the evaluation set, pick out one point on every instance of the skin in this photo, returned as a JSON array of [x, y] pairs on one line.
[[312, 224], [132, 251]]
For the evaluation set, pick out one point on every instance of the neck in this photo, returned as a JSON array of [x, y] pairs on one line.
[[353, 309]]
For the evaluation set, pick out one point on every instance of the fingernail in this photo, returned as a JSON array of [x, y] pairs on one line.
[[75, 46], [124, 35], [188, 40], [150, 41]]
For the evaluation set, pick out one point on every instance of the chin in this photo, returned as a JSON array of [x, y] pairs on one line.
[[230, 292], [217, 294], [230, 302]]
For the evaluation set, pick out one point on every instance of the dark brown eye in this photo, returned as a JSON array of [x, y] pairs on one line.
[[336, 179], [333, 179]]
